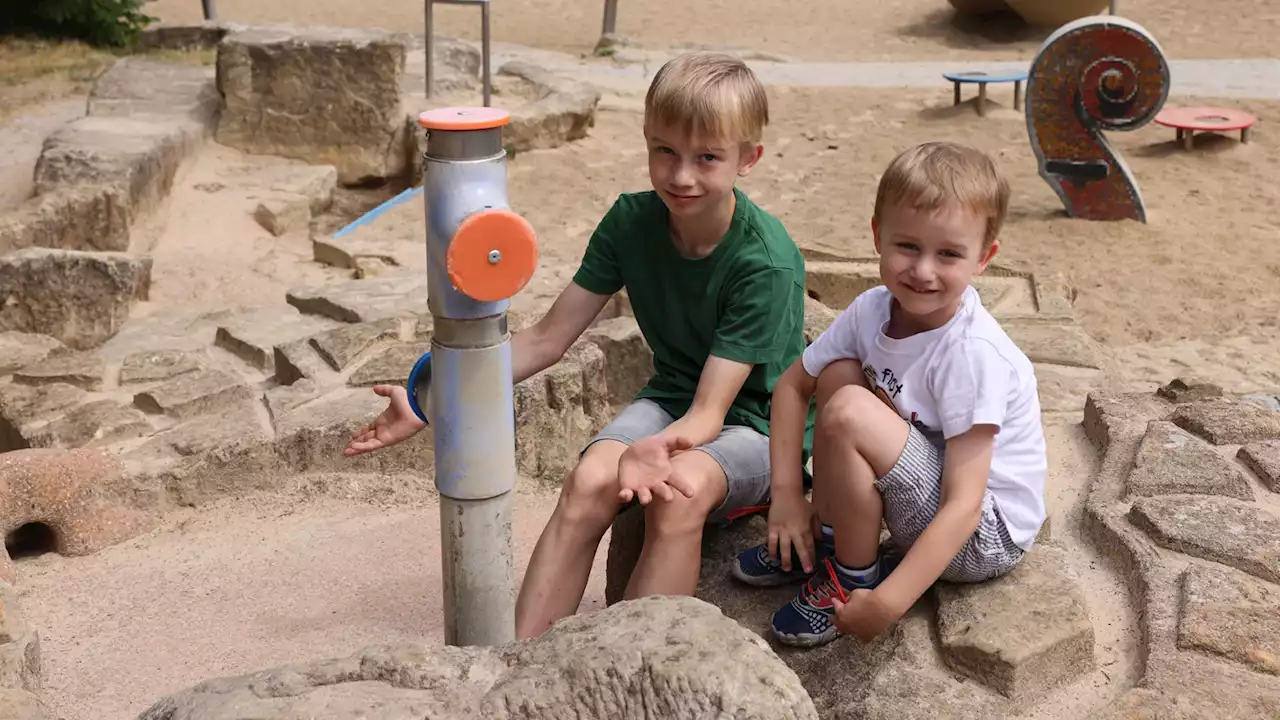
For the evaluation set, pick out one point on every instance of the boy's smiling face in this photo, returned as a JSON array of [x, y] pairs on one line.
[[929, 257], [693, 175]]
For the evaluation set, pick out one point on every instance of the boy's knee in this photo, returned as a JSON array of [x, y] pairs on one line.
[[837, 375], [845, 410], [590, 491], [682, 515]]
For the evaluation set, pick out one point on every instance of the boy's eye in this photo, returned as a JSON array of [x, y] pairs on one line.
[[709, 157], [908, 246]]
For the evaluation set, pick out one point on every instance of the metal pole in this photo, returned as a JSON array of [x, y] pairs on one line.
[[1113, 7], [610, 16], [427, 12], [476, 247], [484, 41], [210, 10]]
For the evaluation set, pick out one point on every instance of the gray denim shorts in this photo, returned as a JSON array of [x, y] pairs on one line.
[[912, 493], [742, 453]]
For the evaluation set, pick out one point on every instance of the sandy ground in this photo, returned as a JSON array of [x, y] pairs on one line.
[[241, 586], [902, 30]]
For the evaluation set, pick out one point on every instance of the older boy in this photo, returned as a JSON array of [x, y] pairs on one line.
[[717, 288], [928, 417]]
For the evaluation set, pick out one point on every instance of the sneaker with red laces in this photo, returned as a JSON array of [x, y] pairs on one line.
[[809, 619]]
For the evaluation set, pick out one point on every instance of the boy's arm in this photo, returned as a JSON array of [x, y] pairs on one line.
[[964, 482], [787, 415], [718, 385], [541, 345]]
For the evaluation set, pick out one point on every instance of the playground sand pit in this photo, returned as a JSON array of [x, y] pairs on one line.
[[827, 30]]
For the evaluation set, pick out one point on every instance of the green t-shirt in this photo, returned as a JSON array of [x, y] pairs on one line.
[[742, 302]]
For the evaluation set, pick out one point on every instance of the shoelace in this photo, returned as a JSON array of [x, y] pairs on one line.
[[816, 588], [745, 511]]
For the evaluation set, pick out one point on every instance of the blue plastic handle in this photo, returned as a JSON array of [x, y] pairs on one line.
[[421, 373]]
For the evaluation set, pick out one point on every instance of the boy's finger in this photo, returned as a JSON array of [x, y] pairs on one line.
[[682, 484], [772, 547], [625, 495], [784, 551], [663, 491], [806, 557], [644, 495]]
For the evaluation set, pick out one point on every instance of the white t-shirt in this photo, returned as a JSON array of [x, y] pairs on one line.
[[947, 380]]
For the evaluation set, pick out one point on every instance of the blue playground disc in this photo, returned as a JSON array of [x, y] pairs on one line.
[[978, 76], [421, 374]]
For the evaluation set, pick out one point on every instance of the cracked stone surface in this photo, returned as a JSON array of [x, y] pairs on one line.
[[1203, 569], [1171, 461], [1263, 458]]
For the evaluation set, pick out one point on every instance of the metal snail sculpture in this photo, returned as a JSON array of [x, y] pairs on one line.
[[1096, 73]]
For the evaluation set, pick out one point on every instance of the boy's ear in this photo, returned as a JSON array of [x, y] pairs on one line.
[[875, 234], [751, 155], [989, 255]]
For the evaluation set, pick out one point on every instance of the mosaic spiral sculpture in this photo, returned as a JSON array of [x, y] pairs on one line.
[[1093, 74]]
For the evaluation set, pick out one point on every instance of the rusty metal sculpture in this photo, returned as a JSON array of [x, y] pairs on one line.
[[1096, 73]]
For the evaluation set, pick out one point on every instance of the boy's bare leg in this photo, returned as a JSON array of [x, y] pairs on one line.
[[860, 440], [672, 555], [561, 563], [833, 377]]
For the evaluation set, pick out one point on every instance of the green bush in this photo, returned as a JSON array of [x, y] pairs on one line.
[[112, 23]]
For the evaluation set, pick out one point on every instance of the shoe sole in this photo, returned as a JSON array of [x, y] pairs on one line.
[[805, 640]]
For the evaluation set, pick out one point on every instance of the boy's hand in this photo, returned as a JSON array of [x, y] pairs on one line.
[[791, 523], [396, 423], [644, 470], [865, 616]]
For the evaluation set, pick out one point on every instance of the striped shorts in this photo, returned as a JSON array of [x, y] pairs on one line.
[[912, 492]]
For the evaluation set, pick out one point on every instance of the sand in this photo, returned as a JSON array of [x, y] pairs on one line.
[[873, 31]]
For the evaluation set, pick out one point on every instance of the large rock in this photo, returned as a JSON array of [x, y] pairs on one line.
[[629, 360], [668, 658], [253, 334], [136, 86], [84, 370], [203, 392], [70, 491], [402, 295], [324, 95], [20, 705], [1263, 459], [1022, 634], [25, 411], [80, 298], [1228, 421], [19, 647], [76, 217], [97, 423]]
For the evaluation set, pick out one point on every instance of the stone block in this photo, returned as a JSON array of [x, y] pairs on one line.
[[296, 360], [817, 318], [142, 86], [350, 250], [310, 437], [140, 155], [283, 214], [563, 111], [1263, 459], [1189, 389], [675, 658], [390, 366], [1230, 614], [558, 410], [24, 408], [342, 345], [1171, 462], [82, 370], [19, 645], [79, 298], [203, 392], [17, 704], [402, 295], [1241, 535], [273, 79], [1023, 634], [76, 217], [19, 350], [252, 335], [155, 365], [1055, 344], [628, 359], [1228, 422], [96, 423]]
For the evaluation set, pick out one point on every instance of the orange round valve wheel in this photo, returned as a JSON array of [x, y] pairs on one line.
[[464, 118], [492, 255]]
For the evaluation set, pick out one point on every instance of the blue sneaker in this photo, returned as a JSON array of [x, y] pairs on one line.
[[809, 619], [754, 567]]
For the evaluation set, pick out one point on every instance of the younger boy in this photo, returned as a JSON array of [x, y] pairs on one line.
[[717, 288], [928, 417]]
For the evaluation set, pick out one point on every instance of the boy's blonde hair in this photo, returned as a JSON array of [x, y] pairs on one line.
[[928, 176], [708, 94]]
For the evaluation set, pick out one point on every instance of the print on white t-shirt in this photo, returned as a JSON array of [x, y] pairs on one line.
[[947, 380]]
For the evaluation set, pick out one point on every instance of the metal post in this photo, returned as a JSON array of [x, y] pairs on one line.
[[484, 40], [610, 17], [1113, 7], [479, 253], [210, 10]]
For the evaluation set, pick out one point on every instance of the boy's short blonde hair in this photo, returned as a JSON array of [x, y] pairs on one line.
[[928, 176], [708, 94]]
